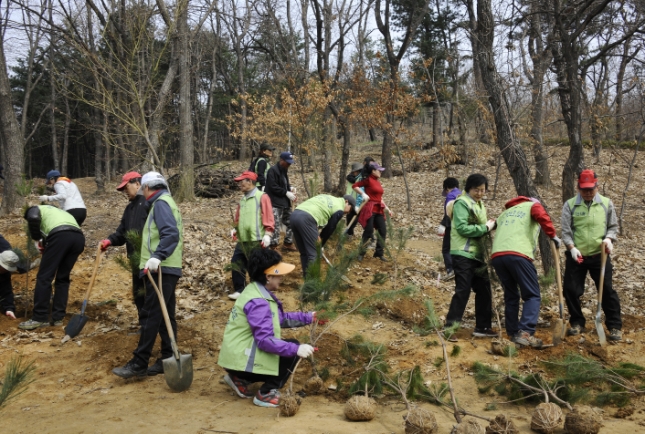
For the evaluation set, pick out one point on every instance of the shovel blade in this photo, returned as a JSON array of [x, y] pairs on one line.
[[75, 325], [558, 332], [601, 332], [178, 373]]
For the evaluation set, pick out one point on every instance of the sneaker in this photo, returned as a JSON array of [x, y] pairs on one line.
[[382, 258], [449, 276], [289, 247], [156, 369], [56, 323], [32, 325], [271, 399], [131, 370], [234, 296], [575, 330], [241, 387], [615, 335], [485, 333], [525, 339]]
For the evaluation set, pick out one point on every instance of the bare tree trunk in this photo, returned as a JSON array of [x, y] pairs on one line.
[[68, 117], [52, 109], [187, 177], [435, 123], [96, 116], [346, 130], [327, 145]]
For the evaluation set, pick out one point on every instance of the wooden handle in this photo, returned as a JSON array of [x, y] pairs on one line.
[[164, 310]]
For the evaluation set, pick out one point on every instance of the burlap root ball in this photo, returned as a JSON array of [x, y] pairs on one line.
[[420, 421], [313, 385], [582, 420], [502, 347], [469, 426], [501, 425], [289, 405], [546, 418], [360, 408]]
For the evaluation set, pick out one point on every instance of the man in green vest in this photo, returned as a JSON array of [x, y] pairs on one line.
[[260, 166], [61, 241], [512, 257], [254, 226], [162, 243], [323, 211], [589, 224]]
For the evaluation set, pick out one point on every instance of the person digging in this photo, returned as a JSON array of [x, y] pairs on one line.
[[9, 263], [513, 253], [589, 224], [60, 240], [133, 219], [254, 226], [161, 246], [253, 350], [260, 166], [323, 211], [282, 196], [67, 195]]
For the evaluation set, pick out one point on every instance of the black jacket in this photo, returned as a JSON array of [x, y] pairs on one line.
[[134, 218], [277, 186], [259, 166]]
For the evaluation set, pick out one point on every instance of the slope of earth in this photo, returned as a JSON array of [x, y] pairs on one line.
[[75, 391]]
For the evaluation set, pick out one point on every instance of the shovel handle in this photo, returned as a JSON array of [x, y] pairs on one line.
[[164, 310], [558, 277], [601, 285], [97, 262], [351, 222]]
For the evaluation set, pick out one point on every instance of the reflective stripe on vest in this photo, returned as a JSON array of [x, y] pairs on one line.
[[52, 217], [322, 207], [255, 169], [239, 349], [517, 231], [150, 235], [249, 226], [589, 224]]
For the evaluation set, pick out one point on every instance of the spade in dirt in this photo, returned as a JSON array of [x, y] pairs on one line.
[[558, 332], [77, 322], [177, 369]]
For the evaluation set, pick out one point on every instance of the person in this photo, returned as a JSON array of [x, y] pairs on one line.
[[161, 246], [469, 224], [254, 226], [450, 193], [9, 263], [67, 195], [589, 224], [61, 241], [133, 219], [352, 177], [252, 349], [372, 215], [260, 165], [322, 211], [282, 195], [513, 253]]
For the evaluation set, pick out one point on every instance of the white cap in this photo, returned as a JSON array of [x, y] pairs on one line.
[[9, 261]]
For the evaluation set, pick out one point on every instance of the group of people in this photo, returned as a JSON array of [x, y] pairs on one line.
[[589, 225]]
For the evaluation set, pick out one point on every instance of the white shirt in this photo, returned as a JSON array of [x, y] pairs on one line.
[[67, 195]]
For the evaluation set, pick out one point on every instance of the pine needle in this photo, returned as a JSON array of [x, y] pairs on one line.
[[18, 376]]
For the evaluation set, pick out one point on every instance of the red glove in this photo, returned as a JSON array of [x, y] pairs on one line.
[[105, 244], [39, 246], [321, 321]]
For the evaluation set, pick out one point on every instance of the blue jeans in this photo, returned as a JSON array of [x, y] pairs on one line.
[[512, 271]]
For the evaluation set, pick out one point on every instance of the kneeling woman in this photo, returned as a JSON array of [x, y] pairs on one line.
[[252, 349]]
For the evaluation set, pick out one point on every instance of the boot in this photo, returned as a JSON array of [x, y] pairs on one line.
[[289, 247]]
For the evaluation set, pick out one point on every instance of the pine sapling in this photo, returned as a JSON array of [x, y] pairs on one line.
[[18, 376], [394, 244]]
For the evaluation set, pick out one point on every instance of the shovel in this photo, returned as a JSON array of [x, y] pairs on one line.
[[558, 332], [342, 276], [77, 322], [601, 331], [177, 369], [351, 222]]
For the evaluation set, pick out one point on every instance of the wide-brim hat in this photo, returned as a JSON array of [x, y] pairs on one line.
[[9, 261], [127, 178], [356, 167], [350, 199], [280, 269]]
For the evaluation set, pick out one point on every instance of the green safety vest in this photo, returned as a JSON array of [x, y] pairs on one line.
[[349, 190], [52, 217], [150, 236], [240, 351], [589, 224], [460, 245], [255, 169], [517, 231], [322, 207], [249, 226]]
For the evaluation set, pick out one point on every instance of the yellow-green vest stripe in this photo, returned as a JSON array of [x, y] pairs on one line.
[[463, 246], [589, 225], [249, 227], [266, 169], [517, 231], [52, 217], [150, 236], [322, 207]]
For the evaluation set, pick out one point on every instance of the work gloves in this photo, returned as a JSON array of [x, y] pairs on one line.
[[490, 224], [153, 264], [609, 246], [557, 241], [366, 198], [441, 230], [105, 244], [576, 255], [43, 198], [321, 321], [305, 350], [266, 240], [234, 234], [39, 246], [10, 314], [291, 196]]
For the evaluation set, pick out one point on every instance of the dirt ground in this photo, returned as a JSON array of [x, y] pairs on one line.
[[75, 392]]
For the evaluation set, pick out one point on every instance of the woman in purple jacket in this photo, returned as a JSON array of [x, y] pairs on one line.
[[252, 348]]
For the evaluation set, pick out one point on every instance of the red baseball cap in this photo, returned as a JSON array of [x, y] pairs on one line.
[[247, 174], [587, 179], [127, 178]]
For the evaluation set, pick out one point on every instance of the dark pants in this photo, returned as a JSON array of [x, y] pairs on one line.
[[79, 215], [305, 233], [6, 293], [282, 216], [574, 288], [138, 293], [445, 250], [377, 221], [470, 274], [152, 321], [241, 261], [270, 381], [348, 219], [512, 271], [61, 252]]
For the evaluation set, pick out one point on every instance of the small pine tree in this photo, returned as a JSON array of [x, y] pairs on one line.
[[18, 376]]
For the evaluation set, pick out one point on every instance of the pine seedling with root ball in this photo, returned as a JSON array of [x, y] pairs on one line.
[[363, 407], [17, 378]]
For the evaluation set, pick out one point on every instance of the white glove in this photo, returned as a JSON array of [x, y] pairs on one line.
[[490, 224], [293, 189], [305, 350], [233, 233], [576, 255], [10, 314], [153, 264], [357, 209], [291, 196], [266, 240], [366, 198], [441, 230], [43, 198], [609, 246]]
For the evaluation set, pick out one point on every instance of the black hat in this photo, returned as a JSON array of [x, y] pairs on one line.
[[266, 147], [350, 199]]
